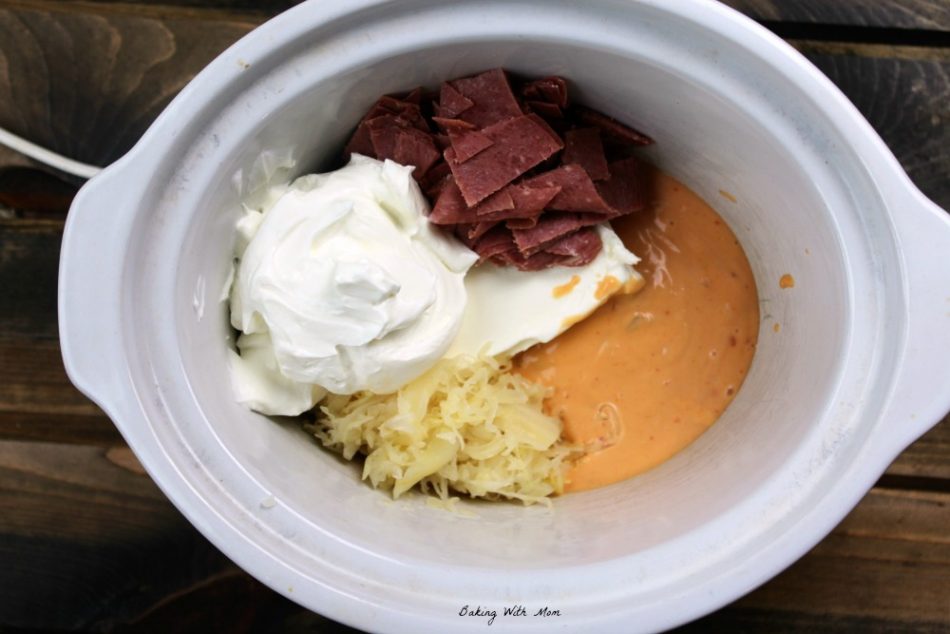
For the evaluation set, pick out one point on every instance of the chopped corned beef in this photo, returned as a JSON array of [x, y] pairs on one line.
[[519, 174]]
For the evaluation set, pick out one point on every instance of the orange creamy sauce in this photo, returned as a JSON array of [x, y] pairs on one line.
[[647, 373]]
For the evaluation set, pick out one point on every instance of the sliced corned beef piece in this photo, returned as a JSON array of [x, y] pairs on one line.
[[468, 143], [547, 128], [435, 179], [488, 139], [623, 191], [611, 126], [416, 148], [577, 190], [450, 208], [531, 200], [448, 124], [442, 141], [415, 96], [522, 223], [534, 262], [479, 229], [404, 109], [516, 201], [511, 214], [497, 202], [396, 113], [589, 219], [520, 143], [551, 90], [550, 227], [360, 142], [383, 131], [496, 241], [491, 96], [583, 147], [452, 103], [461, 232], [579, 248], [548, 111]]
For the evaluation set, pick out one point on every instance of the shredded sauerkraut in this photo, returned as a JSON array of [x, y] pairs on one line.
[[468, 425]]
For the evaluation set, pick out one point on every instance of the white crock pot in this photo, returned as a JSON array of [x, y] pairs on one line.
[[858, 370]]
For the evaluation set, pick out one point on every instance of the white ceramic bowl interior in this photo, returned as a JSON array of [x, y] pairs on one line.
[[855, 373]]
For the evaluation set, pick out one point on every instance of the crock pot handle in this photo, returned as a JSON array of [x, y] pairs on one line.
[[97, 228], [922, 393]]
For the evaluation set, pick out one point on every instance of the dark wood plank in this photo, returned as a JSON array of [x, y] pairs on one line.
[[896, 543], [905, 93], [10, 159], [29, 269], [255, 11], [929, 457], [27, 192], [903, 14], [741, 620], [87, 541], [37, 401], [87, 85], [87, 515]]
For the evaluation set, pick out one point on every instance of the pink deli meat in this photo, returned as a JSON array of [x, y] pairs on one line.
[[612, 127], [490, 95], [520, 175], [551, 90], [450, 207], [535, 262], [496, 241], [583, 147], [623, 191], [549, 228], [519, 144], [467, 144], [416, 148], [578, 192], [452, 103], [579, 248]]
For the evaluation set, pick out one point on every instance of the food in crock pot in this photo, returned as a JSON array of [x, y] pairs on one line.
[[460, 300]]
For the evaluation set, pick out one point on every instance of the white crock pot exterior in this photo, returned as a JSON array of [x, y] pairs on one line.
[[857, 371]]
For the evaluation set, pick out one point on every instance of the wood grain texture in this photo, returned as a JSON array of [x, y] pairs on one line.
[[37, 401], [88, 516], [97, 540], [902, 14], [905, 94], [88, 85], [897, 547], [26, 192], [29, 266], [928, 457]]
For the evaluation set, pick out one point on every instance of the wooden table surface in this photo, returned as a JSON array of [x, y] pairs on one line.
[[88, 542]]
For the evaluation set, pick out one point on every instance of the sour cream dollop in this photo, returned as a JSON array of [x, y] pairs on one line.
[[354, 288]]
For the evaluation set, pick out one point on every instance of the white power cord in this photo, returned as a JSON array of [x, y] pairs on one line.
[[47, 157]]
